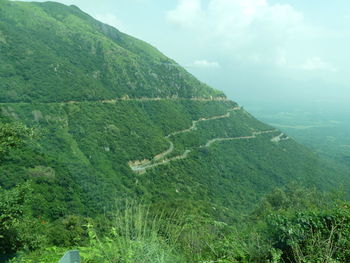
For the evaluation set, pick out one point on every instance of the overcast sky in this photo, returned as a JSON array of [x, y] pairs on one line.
[[254, 50]]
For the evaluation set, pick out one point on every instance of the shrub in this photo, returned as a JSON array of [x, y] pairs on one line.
[[135, 236]]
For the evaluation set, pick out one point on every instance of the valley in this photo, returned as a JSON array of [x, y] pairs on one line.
[[324, 129]]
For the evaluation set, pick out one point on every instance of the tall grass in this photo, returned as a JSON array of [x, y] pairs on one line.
[[135, 236]]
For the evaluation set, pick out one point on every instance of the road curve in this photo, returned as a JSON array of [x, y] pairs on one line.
[[160, 159]]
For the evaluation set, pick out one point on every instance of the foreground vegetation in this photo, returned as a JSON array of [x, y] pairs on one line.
[[293, 224]]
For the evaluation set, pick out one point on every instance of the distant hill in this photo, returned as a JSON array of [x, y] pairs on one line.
[[115, 118]]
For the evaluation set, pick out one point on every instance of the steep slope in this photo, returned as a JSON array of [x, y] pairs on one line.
[[115, 118], [58, 53]]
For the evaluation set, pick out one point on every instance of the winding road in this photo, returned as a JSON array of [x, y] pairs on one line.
[[194, 123], [111, 101], [141, 166], [253, 136], [160, 159]]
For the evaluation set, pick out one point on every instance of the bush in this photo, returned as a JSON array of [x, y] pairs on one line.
[[18, 229], [135, 236]]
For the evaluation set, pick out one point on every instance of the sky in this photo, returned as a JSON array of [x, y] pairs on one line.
[[256, 51]]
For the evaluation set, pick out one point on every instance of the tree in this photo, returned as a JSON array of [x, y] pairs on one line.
[[18, 229], [12, 136]]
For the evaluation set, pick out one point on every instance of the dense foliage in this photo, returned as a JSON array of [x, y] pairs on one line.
[[293, 224], [79, 157], [58, 53], [68, 146]]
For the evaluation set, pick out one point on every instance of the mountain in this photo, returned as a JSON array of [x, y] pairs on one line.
[[115, 118], [58, 53]]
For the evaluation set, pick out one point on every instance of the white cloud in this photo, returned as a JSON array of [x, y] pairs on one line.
[[316, 64], [237, 22], [253, 31], [187, 13], [205, 64], [274, 39]]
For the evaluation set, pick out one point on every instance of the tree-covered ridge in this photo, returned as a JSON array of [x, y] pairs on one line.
[[59, 53], [87, 147]]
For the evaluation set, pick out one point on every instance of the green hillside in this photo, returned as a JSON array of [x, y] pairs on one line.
[[114, 119], [92, 128], [61, 54]]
